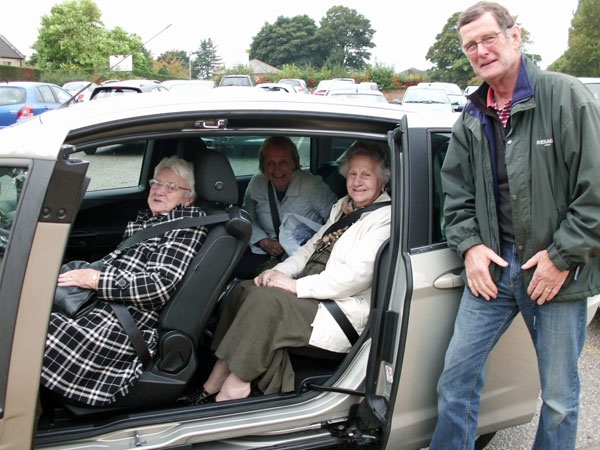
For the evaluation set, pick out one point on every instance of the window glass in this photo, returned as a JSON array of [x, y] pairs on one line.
[[114, 166], [242, 151], [12, 95], [11, 186], [45, 94], [439, 146], [61, 95]]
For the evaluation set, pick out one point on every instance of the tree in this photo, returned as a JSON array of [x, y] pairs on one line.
[[69, 37], [287, 41], [176, 62], [206, 61], [582, 58], [345, 37], [73, 37], [450, 62]]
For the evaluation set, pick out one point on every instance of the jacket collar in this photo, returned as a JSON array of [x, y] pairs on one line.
[[523, 88]]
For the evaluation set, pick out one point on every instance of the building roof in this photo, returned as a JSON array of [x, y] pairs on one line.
[[261, 67], [7, 50]]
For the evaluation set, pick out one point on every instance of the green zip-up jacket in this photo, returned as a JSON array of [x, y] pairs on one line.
[[553, 166]]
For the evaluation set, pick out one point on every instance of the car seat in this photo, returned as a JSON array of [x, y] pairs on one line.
[[184, 317]]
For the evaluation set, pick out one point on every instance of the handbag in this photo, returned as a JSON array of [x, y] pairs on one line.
[[74, 301]]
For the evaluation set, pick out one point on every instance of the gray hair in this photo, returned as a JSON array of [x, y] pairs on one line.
[[373, 151], [182, 168], [500, 13]]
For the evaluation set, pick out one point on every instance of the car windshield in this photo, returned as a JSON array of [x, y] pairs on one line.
[[75, 85], [12, 95], [361, 98], [237, 81], [424, 96]]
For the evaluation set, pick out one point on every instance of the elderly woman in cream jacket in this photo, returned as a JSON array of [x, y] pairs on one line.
[[283, 308]]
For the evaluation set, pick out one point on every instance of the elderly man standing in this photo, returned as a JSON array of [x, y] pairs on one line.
[[523, 210]]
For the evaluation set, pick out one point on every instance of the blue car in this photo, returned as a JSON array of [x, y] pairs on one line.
[[21, 100]]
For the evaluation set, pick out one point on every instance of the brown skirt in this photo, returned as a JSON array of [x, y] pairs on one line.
[[258, 324]]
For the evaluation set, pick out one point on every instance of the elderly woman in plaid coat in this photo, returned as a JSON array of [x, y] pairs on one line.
[[91, 359]]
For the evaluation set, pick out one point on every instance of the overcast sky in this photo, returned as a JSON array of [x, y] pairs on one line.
[[404, 31]]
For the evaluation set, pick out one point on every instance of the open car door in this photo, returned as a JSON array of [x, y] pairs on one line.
[[416, 298]]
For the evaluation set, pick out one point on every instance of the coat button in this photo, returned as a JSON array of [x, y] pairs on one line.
[[520, 247], [514, 197]]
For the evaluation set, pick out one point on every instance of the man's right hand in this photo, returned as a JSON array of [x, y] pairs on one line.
[[477, 264], [271, 246]]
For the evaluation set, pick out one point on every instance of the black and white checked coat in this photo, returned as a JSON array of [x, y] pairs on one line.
[[91, 359]]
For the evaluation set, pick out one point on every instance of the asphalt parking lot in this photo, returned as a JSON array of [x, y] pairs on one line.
[[588, 433]]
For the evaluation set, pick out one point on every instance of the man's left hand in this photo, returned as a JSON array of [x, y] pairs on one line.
[[547, 279], [276, 279]]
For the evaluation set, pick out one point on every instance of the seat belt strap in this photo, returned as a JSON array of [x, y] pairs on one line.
[[339, 316]]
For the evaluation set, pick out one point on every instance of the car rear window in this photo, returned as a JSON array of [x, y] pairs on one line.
[[12, 95]]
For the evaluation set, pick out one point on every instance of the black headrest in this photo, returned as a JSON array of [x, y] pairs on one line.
[[215, 180]]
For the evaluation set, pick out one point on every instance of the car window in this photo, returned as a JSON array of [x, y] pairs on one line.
[[12, 95], [115, 166], [11, 185], [439, 145], [45, 94], [595, 88], [61, 95], [242, 151]]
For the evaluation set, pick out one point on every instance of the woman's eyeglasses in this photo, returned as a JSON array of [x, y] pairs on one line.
[[169, 187]]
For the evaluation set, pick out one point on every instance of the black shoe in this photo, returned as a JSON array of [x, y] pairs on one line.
[[198, 397]]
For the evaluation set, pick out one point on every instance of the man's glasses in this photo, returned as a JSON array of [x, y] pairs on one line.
[[169, 187], [486, 41]]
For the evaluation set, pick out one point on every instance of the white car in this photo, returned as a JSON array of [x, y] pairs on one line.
[[453, 91], [276, 87], [593, 84], [425, 99], [58, 203]]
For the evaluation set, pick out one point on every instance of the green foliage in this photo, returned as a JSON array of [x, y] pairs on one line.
[[382, 75], [12, 73], [290, 40], [72, 37], [450, 63], [206, 61], [69, 36], [345, 37], [582, 58]]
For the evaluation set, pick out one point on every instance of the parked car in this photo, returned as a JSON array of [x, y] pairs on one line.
[[81, 90], [189, 85], [593, 84], [470, 89], [236, 80], [325, 86], [59, 204], [454, 92], [276, 87], [118, 88], [298, 84], [357, 95], [368, 85], [21, 100], [417, 98]]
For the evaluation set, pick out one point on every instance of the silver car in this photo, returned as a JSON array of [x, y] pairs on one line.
[[58, 203]]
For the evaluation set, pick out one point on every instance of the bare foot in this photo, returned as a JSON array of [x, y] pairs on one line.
[[217, 377], [234, 388]]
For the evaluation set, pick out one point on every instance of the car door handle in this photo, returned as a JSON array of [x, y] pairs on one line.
[[448, 280]]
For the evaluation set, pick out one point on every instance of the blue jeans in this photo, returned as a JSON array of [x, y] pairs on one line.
[[558, 332]]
